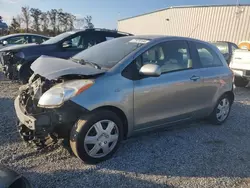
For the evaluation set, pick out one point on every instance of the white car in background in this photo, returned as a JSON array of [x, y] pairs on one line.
[[240, 65]]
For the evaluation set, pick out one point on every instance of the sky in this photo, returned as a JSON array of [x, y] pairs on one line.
[[105, 13]]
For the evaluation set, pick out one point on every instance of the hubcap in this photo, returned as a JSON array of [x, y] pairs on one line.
[[223, 109], [101, 138]]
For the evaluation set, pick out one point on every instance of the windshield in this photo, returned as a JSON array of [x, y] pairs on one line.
[[222, 46], [58, 38], [109, 53]]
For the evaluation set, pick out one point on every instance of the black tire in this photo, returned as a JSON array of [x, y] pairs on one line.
[[81, 128], [240, 82], [213, 116]]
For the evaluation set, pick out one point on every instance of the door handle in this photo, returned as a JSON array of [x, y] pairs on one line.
[[195, 78]]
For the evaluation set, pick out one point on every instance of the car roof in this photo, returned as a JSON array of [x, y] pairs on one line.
[[221, 41], [21, 34], [102, 30], [164, 37]]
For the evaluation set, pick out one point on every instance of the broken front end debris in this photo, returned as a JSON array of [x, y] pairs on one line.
[[11, 64], [43, 127]]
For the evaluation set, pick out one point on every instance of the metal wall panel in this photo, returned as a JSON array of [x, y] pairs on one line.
[[209, 23]]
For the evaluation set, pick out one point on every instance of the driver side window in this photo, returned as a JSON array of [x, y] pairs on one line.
[[75, 42], [170, 56]]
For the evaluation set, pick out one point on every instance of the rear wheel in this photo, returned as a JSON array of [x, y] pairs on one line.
[[96, 137], [221, 110], [240, 82]]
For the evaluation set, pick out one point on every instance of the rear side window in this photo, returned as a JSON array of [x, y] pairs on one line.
[[37, 39], [208, 56]]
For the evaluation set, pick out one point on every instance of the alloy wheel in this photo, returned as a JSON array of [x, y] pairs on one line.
[[223, 109], [101, 138]]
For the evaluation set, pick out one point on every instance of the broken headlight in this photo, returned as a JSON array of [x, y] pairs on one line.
[[58, 94]]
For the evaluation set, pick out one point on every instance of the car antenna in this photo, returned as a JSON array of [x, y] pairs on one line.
[[193, 30]]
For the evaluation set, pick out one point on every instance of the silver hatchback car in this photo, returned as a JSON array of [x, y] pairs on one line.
[[121, 87]]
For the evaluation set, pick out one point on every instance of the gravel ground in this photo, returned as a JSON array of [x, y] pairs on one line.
[[197, 155]]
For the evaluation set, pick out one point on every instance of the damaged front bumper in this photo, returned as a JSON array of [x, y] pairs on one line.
[[45, 128]]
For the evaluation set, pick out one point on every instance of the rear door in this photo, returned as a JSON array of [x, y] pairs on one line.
[[174, 95]]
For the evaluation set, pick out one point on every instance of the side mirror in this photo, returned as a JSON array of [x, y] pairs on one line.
[[150, 70], [67, 44], [5, 43]]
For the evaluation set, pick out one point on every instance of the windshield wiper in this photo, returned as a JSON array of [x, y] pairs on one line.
[[83, 62]]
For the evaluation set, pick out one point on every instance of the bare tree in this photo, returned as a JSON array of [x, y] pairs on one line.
[[26, 17], [45, 21], [36, 14], [62, 20], [14, 26], [19, 20], [79, 23], [88, 21], [53, 19], [71, 19]]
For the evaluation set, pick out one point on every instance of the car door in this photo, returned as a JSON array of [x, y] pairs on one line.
[[174, 95], [213, 73]]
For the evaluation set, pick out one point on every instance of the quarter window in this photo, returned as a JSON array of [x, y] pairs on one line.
[[170, 56], [208, 57]]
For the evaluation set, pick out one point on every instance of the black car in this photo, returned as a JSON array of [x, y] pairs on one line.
[[226, 48], [16, 60], [21, 38]]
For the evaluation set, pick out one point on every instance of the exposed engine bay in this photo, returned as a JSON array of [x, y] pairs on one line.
[[43, 127]]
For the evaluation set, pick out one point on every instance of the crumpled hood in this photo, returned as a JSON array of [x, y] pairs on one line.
[[17, 47], [52, 68]]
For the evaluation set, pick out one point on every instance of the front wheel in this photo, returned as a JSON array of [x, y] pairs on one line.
[[221, 110], [96, 137]]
